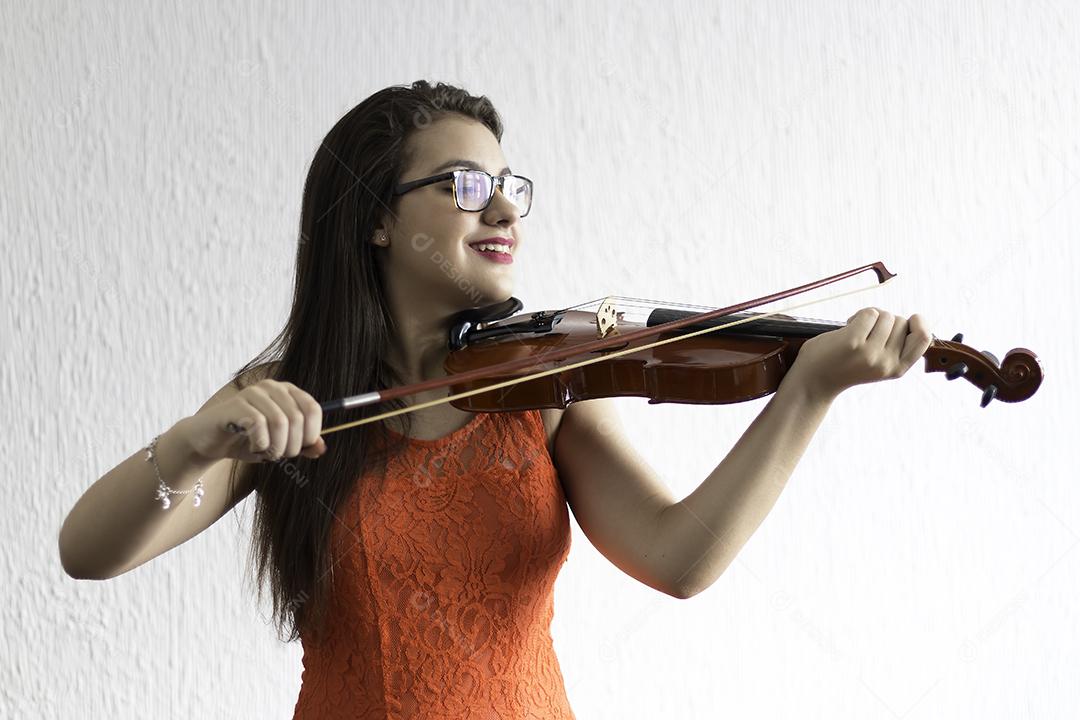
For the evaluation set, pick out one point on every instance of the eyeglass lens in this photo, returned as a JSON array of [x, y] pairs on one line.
[[474, 191]]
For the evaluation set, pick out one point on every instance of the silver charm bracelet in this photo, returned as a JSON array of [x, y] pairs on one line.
[[164, 490]]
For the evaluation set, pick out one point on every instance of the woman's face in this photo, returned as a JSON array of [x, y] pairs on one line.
[[429, 237]]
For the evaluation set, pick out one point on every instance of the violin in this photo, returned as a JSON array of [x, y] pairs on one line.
[[502, 361]]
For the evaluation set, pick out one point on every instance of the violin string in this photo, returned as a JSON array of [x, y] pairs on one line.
[[704, 308], [588, 361], [654, 304]]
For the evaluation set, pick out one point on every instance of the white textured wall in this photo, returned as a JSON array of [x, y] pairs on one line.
[[922, 561]]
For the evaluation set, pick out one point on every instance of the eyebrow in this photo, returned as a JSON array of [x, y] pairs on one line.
[[458, 162]]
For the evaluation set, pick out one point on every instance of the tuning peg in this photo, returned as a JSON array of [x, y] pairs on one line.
[[993, 359], [988, 394], [956, 371], [958, 337]]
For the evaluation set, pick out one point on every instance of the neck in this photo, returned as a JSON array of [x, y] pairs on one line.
[[418, 347]]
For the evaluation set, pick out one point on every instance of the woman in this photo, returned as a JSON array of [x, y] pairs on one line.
[[415, 558]]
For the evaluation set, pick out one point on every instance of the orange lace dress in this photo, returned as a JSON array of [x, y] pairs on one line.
[[443, 587]]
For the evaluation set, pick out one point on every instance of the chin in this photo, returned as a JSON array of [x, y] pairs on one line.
[[491, 298], [471, 281], [490, 293]]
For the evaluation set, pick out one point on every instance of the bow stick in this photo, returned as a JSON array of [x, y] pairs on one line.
[[376, 396]]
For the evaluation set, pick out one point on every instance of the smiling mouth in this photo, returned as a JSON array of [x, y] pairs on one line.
[[491, 247], [499, 253]]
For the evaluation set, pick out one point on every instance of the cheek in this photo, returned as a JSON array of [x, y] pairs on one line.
[[428, 255], [430, 236]]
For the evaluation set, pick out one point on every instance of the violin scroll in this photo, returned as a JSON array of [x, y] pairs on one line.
[[1014, 379]]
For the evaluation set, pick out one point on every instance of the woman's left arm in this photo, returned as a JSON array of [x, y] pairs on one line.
[[630, 515], [702, 533], [682, 547]]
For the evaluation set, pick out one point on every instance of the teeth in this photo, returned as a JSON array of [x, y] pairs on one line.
[[496, 247]]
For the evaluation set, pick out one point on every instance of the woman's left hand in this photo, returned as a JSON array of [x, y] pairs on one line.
[[874, 345]]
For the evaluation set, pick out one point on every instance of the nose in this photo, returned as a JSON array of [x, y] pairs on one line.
[[501, 206]]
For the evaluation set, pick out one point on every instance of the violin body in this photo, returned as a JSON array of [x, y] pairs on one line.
[[707, 369]]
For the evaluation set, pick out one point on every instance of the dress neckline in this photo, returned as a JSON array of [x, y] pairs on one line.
[[433, 442]]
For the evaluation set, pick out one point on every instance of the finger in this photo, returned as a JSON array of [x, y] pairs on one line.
[[314, 451], [917, 325], [242, 426], [312, 415], [862, 322], [894, 346], [251, 425], [294, 433], [860, 310], [918, 340], [274, 419], [883, 326]]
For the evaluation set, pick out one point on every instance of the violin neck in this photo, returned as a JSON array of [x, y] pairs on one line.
[[775, 325]]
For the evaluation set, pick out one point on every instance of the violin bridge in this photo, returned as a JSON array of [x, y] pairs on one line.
[[606, 318]]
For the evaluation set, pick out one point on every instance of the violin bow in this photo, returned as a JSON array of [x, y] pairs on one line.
[[954, 365], [377, 396]]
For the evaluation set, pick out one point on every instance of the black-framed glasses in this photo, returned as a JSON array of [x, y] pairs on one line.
[[473, 189]]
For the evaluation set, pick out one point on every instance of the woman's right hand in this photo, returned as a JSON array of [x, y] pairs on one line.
[[266, 421]]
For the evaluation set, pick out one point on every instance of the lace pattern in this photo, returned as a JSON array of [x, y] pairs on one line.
[[443, 594]]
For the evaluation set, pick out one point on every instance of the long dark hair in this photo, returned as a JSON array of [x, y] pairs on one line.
[[335, 340]]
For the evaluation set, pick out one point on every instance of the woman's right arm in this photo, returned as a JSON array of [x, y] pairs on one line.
[[118, 524]]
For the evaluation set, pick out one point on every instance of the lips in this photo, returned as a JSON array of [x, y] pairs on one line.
[[499, 240]]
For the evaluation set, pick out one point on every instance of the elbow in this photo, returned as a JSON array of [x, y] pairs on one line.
[[76, 574], [686, 569], [71, 566], [690, 585], [683, 592], [77, 571], [680, 590], [74, 567]]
